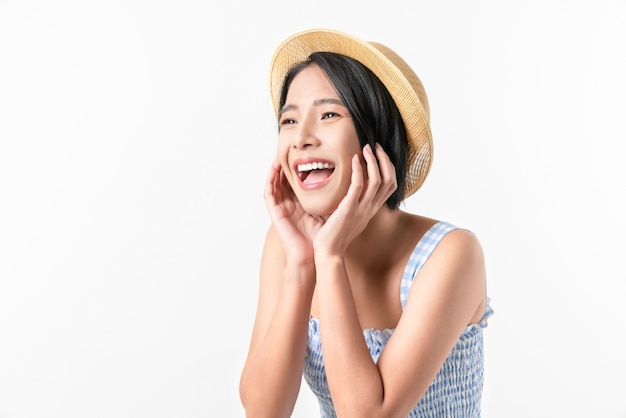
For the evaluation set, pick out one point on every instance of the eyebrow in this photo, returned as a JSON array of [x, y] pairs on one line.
[[317, 102]]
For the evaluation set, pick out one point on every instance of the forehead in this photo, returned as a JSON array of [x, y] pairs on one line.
[[311, 82]]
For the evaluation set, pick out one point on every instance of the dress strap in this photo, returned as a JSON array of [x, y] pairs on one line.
[[420, 254]]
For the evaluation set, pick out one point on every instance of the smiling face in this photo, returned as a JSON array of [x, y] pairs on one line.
[[316, 142]]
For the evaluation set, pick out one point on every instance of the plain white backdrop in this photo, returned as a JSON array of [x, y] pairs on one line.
[[135, 137]]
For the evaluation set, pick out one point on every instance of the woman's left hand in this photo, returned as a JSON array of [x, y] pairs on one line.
[[363, 200]]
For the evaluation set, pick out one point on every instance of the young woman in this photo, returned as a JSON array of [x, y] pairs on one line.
[[382, 310]]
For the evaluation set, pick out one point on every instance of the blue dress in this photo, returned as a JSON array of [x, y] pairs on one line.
[[456, 390]]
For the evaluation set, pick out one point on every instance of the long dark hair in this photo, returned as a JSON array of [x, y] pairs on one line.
[[374, 112]]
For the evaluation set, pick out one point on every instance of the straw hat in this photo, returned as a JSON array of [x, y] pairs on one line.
[[401, 81]]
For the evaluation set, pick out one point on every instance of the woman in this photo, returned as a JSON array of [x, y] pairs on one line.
[[381, 309]]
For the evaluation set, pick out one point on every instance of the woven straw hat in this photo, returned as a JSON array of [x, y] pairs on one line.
[[401, 81]]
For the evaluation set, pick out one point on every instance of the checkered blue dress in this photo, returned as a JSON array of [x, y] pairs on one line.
[[457, 388]]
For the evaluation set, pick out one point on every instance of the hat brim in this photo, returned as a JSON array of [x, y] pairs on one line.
[[403, 84]]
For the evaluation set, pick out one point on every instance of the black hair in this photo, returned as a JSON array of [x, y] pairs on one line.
[[374, 112]]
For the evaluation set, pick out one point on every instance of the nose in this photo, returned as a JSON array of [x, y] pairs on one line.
[[305, 134]]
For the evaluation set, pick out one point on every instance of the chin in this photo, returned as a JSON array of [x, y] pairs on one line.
[[317, 208]]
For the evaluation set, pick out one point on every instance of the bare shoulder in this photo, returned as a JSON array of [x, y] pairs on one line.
[[461, 244], [458, 243], [454, 273], [273, 256], [272, 243], [458, 257]]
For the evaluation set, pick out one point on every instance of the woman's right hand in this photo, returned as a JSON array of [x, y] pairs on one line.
[[294, 226]]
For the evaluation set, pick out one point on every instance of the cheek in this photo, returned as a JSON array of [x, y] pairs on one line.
[[282, 142], [282, 153]]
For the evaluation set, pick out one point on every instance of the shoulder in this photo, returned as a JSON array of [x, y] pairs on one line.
[[461, 243], [442, 236], [272, 241], [455, 248], [273, 256], [454, 269]]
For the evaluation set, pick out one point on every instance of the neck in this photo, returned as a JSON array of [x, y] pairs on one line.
[[372, 247]]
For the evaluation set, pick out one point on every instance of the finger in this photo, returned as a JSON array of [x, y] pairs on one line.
[[270, 183], [373, 174], [387, 170], [356, 183], [270, 179], [278, 177], [283, 184]]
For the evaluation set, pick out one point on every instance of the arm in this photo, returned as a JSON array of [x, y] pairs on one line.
[[444, 298], [272, 374]]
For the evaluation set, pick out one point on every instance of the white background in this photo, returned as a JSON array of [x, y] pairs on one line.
[[135, 137]]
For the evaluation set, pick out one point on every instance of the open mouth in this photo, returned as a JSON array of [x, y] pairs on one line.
[[314, 172]]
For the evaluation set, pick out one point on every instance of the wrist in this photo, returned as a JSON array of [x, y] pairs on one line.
[[326, 258], [299, 271]]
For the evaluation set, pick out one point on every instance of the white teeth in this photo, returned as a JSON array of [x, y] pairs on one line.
[[314, 166]]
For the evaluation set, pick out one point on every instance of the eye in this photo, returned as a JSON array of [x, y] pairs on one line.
[[287, 121], [329, 115]]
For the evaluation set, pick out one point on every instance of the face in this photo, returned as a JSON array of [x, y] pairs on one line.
[[316, 142]]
